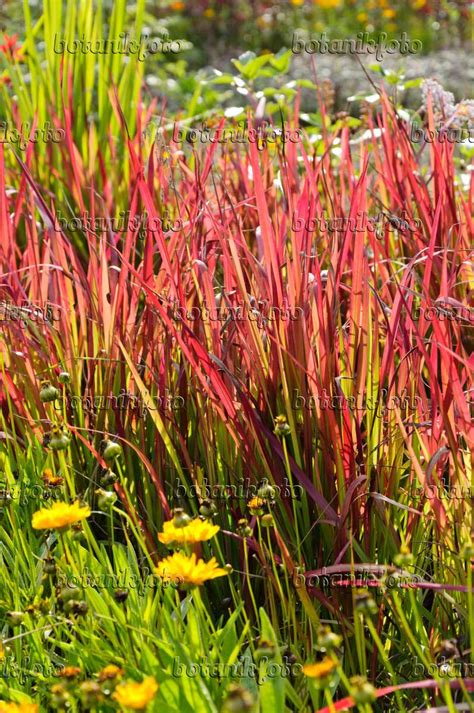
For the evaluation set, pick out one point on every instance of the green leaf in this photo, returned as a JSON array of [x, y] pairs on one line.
[[249, 64], [413, 83], [272, 689], [282, 60], [222, 79]]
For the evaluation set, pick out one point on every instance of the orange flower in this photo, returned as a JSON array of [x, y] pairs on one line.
[[10, 48]]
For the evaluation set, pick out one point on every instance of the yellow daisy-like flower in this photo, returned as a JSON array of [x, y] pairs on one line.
[[195, 531], [59, 515], [389, 12], [327, 4], [319, 670], [256, 504], [109, 672], [18, 707], [188, 571], [70, 672], [136, 695]]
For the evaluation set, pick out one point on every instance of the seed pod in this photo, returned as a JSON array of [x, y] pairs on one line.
[[180, 518], [68, 594], [243, 528], [109, 478], [49, 565], [364, 603], [282, 427], [266, 491], [77, 532], [5, 495], [111, 451], [265, 648], [361, 690], [238, 700], [64, 377], [79, 608], [59, 441], [404, 557], [105, 498], [48, 392], [207, 509], [44, 606], [15, 618], [60, 698], [328, 640], [90, 693], [120, 595]]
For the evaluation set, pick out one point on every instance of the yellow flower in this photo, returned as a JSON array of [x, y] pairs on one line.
[[136, 695], [389, 12], [319, 670], [209, 12], [297, 2], [195, 531], [70, 672], [18, 707], [188, 570], [281, 425], [110, 672], [327, 4], [256, 503], [59, 515]]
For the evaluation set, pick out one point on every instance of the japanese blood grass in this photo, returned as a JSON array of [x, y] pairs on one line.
[[356, 484]]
